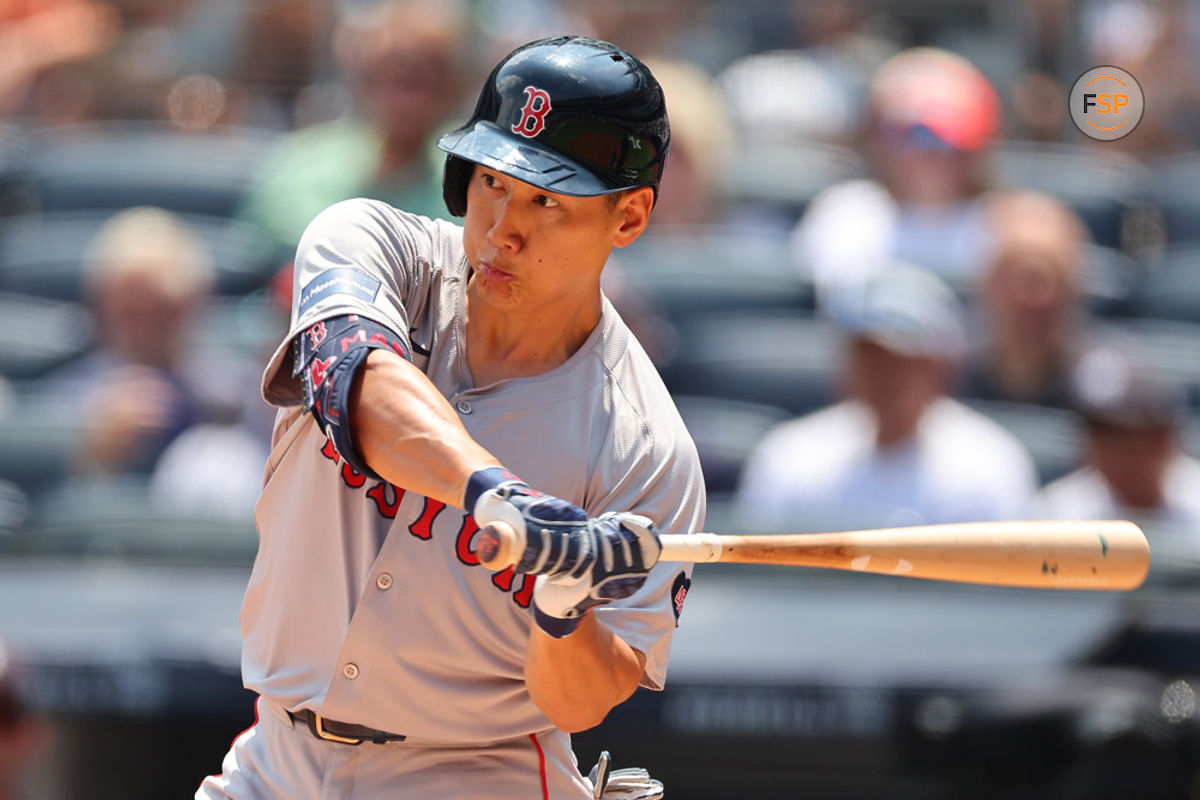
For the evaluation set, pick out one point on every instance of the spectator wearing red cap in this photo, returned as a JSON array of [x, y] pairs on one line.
[[931, 117]]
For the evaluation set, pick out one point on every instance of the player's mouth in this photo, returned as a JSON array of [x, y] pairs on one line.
[[493, 273]]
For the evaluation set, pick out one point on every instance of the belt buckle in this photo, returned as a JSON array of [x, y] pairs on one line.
[[318, 729]]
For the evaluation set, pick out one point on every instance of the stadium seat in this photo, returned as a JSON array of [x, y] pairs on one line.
[[15, 194], [117, 165], [39, 334], [781, 180], [680, 271], [36, 451], [1171, 288], [1173, 181], [725, 432], [779, 359], [247, 325], [1167, 346], [1109, 279], [43, 254], [118, 518], [1101, 185]]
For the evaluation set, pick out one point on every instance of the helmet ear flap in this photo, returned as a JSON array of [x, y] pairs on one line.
[[454, 184]]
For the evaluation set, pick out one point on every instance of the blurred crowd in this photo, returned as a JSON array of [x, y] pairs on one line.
[[887, 280], [883, 214]]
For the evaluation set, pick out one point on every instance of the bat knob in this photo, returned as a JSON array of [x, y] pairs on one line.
[[498, 546]]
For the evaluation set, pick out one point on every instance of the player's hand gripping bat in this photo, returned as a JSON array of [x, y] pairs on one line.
[[1104, 554]]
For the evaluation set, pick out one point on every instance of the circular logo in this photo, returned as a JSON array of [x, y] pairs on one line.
[[1106, 103]]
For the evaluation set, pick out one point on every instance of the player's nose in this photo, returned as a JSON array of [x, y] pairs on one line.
[[506, 231]]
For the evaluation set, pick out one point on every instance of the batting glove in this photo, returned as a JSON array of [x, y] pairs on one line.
[[628, 783], [627, 547], [556, 532]]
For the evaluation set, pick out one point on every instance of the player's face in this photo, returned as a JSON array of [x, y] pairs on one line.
[[530, 249]]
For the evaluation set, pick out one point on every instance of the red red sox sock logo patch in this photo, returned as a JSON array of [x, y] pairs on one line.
[[679, 591], [533, 115]]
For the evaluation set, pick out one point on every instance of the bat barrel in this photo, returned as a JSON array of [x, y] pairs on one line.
[[1106, 554]]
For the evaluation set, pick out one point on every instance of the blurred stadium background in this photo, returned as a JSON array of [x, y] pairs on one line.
[[123, 556]]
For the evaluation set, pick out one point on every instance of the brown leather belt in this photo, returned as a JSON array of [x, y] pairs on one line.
[[342, 732]]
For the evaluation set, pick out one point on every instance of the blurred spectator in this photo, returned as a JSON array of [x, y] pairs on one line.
[[1133, 420], [784, 96], [814, 89], [644, 29], [1151, 39], [701, 141], [211, 470], [24, 737], [898, 451], [930, 121], [1047, 46], [1032, 318], [147, 275], [37, 36], [159, 408], [280, 55], [400, 59]]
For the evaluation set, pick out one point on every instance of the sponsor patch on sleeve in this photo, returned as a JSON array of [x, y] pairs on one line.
[[340, 281]]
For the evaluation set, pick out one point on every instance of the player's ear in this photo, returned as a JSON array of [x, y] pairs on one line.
[[633, 214]]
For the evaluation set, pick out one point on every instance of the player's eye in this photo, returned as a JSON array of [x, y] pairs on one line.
[[489, 180], [546, 201]]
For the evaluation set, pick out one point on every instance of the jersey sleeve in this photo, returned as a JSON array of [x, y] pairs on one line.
[[356, 257], [665, 485]]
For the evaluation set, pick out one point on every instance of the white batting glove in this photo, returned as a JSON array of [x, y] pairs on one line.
[[628, 783], [626, 547]]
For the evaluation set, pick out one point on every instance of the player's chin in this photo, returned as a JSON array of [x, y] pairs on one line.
[[499, 293]]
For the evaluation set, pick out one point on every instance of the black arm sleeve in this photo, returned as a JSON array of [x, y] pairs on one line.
[[326, 358]]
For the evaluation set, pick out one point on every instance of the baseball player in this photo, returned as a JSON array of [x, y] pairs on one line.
[[427, 367]]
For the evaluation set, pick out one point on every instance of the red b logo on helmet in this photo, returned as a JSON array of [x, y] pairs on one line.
[[533, 115]]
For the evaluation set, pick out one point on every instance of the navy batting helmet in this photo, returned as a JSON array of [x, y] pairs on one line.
[[570, 115]]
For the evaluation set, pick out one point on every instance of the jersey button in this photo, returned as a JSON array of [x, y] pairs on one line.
[[384, 581], [350, 671], [464, 407]]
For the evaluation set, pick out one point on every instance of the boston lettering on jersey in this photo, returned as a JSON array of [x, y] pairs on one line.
[[387, 498]]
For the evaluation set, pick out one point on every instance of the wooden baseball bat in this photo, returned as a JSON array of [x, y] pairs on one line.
[[1100, 554]]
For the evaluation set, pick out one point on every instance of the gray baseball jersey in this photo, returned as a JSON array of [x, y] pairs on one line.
[[367, 603]]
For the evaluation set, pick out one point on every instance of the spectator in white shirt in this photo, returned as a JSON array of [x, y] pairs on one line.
[[898, 451]]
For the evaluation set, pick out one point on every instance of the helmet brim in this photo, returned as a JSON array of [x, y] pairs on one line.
[[524, 159]]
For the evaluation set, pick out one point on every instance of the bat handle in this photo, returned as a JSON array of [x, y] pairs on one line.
[[500, 546], [696, 547]]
